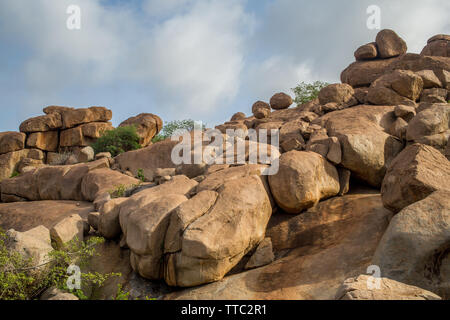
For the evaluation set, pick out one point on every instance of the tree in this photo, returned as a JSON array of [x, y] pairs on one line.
[[171, 127], [117, 141], [306, 92]]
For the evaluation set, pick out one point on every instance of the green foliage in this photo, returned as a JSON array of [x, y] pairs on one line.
[[20, 280], [122, 190], [306, 92], [121, 295], [117, 141], [171, 127], [140, 175], [15, 174]]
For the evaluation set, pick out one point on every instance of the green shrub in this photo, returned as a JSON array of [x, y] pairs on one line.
[[20, 280], [141, 175], [117, 141], [306, 92], [15, 174], [171, 127]]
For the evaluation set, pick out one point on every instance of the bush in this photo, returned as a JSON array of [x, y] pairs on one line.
[[171, 127], [117, 141], [306, 92], [20, 280]]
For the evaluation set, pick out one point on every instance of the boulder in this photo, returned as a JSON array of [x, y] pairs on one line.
[[261, 109], [339, 93], [32, 244], [363, 73], [280, 101], [429, 79], [86, 154], [303, 179], [146, 230], [398, 128], [433, 120], [367, 52], [358, 288], [390, 44], [54, 293], [108, 220], [48, 122], [23, 216], [238, 116], [405, 112], [68, 229], [397, 87], [367, 150], [47, 141], [215, 242], [9, 161], [309, 271], [415, 173], [438, 46], [104, 180], [262, 256], [147, 126], [83, 135], [74, 117], [11, 141], [414, 249]]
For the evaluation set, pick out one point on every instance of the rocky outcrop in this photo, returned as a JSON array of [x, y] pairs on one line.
[[415, 248], [415, 173], [387, 289], [147, 126], [389, 44], [438, 45], [11, 141]]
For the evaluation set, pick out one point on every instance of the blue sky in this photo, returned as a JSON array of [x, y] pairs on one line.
[[198, 59]]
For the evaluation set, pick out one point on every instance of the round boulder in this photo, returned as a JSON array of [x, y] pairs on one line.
[[281, 101]]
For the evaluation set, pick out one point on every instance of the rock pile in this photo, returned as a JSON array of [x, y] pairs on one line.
[[362, 181]]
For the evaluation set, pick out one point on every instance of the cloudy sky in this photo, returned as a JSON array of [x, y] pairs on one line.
[[198, 59]]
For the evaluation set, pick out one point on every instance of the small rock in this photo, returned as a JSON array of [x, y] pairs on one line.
[[262, 256]]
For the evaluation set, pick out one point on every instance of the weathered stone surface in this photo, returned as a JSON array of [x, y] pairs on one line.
[[367, 52], [366, 287], [32, 244], [363, 73], [415, 173], [73, 117], [42, 123], [83, 135], [414, 249], [238, 116], [9, 161], [339, 93], [51, 182], [405, 112], [262, 256], [103, 180], [108, 220], [146, 230], [303, 179], [397, 87], [280, 101], [147, 126], [433, 120], [429, 79], [68, 229], [11, 141], [398, 129], [219, 239], [390, 44], [86, 154], [367, 150], [47, 141], [310, 272], [436, 47], [261, 109]]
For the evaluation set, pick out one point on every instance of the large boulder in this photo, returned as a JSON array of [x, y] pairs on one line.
[[47, 141], [367, 52], [431, 121], [23, 216], [415, 248], [104, 180], [394, 88], [69, 229], [438, 45], [83, 135], [358, 288], [367, 148], [11, 141], [339, 93], [363, 73], [147, 126], [215, 242], [74, 117], [389, 44], [309, 271], [33, 244], [9, 162], [280, 101], [303, 179], [51, 182], [415, 173], [42, 123]]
